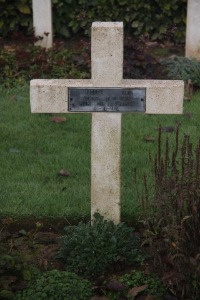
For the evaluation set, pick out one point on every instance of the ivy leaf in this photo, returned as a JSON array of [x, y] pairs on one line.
[[127, 18], [64, 31], [24, 9], [26, 275], [136, 290], [135, 24]]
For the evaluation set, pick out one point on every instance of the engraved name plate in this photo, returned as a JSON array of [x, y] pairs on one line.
[[107, 99]]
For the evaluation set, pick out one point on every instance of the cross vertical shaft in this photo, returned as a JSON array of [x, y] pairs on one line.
[[107, 71], [192, 48], [42, 22]]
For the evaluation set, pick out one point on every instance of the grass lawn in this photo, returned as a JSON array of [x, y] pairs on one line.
[[33, 150]]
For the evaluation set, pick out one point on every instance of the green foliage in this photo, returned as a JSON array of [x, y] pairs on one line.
[[16, 266], [15, 16], [183, 68], [56, 285], [92, 250], [145, 282], [137, 278], [20, 65], [22, 61], [5, 294], [153, 19]]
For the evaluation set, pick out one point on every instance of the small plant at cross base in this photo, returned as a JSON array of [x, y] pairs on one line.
[[14, 268], [135, 283], [93, 249], [183, 68], [56, 285], [172, 229], [136, 279]]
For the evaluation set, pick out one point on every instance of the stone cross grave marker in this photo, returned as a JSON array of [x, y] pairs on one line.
[[42, 22], [106, 96], [192, 48]]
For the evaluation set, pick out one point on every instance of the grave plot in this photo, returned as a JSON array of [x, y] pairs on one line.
[[68, 96]]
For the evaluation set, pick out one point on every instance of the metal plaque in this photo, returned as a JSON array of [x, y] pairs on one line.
[[107, 99]]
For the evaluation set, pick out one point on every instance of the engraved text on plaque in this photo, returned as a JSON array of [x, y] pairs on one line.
[[107, 99]]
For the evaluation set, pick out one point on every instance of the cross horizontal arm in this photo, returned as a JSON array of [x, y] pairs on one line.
[[51, 96]]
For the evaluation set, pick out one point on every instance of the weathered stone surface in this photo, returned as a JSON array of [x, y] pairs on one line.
[[162, 96], [42, 22], [106, 165], [107, 53], [192, 48]]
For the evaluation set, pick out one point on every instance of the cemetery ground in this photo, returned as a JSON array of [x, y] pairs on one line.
[[46, 159], [45, 188]]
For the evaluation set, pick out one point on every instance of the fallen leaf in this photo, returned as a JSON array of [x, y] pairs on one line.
[[193, 261], [22, 232], [188, 115], [14, 150], [168, 129], [9, 48], [11, 279], [58, 119], [45, 238], [13, 97], [99, 298], [172, 278], [152, 44], [115, 286], [7, 221], [136, 290], [149, 139], [169, 297], [64, 173], [150, 297]]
